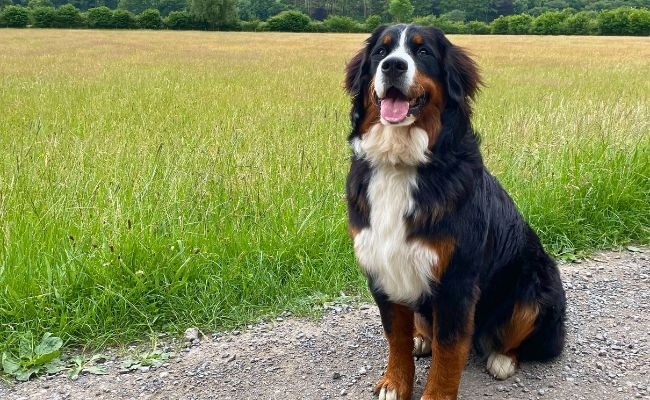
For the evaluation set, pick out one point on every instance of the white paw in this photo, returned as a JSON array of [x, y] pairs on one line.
[[385, 394], [501, 366], [421, 346]]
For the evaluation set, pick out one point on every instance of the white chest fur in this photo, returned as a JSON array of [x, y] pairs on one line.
[[402, 269]]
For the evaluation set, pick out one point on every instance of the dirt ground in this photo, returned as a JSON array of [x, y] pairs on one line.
[[343, 354]]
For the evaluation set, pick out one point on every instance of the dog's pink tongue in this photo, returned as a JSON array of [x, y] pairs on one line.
[[393, 109]]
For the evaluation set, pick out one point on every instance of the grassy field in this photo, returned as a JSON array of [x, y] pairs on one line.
[[151, 181]]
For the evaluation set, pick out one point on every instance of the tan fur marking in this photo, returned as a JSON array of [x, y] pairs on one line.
[[386, 40], [372, 110], [430, 117], [444, 249], [417, 39], [353, 231], [520, 326], [447, 363], [401, 367]]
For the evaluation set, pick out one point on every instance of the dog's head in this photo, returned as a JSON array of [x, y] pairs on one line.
[[406, 75]]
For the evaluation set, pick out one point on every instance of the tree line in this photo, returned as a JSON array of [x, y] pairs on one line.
[[545, 17]]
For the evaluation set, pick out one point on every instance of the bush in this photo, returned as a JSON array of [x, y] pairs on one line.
[[250, 26], [123, 19], [150, 19], [180, 20], [336, 23], [14, 17], [639, 22], [99, 17], [477, 28], [68, 16], [519, 24], [43, 17], [582, 23], [500, 25], [289, 21], [317, 27], [372, 22], [549, 23]]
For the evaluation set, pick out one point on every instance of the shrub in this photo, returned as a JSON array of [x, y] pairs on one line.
[[14, 17], [123, 19], [519, 24], [372, 22], [250, 26], [500, 25], [43, 17], [549, 23], [99, 17], [68, 16], [180, 20], [477, 28], [149, 19], [639, 22], [581, 23], [317, 26], [337, 23], [289, 21]]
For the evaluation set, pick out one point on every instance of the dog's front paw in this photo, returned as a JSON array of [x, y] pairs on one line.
[[393, 389], [501, 366]]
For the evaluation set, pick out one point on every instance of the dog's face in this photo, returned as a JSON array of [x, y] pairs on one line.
[[406, 75]]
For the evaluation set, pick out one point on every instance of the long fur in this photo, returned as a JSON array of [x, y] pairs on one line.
[[432, 229]]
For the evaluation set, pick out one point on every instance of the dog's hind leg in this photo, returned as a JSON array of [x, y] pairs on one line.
[[502, 363]]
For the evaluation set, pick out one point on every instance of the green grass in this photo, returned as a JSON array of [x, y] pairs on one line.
[[151, 181]]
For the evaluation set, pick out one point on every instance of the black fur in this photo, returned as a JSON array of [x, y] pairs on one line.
[[498, 260]]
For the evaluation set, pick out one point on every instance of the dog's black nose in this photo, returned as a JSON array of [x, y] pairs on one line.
[[394, 67]]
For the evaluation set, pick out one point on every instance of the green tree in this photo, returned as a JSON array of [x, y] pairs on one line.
[[480, 10], [581, 23], [39, 3], [614, 22], [372, 22], [43, 17], [519, 24], [639, 22], [149, 19], [401, 10], [99, 17], [289, 21], [135, 6], [549, 23], [14, 17], [68, 16], [215, 14], [179, 20], [123, 19], [335, 23], [5, 3], [500, 25]]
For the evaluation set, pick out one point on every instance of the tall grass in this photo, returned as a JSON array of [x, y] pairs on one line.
[[155, 180]]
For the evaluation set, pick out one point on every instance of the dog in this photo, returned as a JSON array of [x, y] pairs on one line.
[[449, 260]]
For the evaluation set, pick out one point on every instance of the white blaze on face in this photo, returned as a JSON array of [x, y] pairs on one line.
[[401, 51]]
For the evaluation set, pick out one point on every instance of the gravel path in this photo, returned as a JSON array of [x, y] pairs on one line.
[[343, 354]]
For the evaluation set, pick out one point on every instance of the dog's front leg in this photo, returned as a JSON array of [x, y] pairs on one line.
[[453, 326], [397, 319]]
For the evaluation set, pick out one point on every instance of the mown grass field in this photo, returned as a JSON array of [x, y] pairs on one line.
[[151, 181]]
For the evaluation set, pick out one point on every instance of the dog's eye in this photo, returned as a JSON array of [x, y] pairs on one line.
[[381, 52], [423, 52]]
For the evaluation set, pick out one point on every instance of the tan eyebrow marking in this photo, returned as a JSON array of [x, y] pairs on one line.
[[417, 39], [387, 40]]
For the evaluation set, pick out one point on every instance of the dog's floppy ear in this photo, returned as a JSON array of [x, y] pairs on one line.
[[354, 71], [463, 78], [357, 71]]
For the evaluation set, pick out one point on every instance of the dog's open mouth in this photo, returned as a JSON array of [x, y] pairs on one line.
[[394, 107]]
